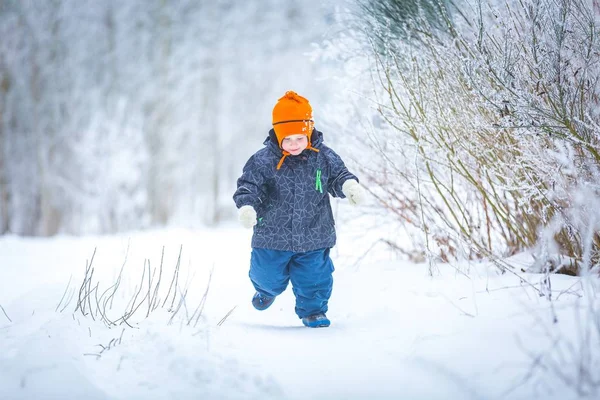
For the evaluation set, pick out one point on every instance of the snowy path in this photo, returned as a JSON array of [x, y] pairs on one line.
[[396, 332]]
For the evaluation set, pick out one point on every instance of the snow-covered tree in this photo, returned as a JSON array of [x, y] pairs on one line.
[[485, 133]]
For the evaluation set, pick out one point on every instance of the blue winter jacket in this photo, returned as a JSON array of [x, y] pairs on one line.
[[292, 203]]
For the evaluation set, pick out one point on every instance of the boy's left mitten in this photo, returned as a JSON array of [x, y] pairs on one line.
[[247, 216], [354, 192]]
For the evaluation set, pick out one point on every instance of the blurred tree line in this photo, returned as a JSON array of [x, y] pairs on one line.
[[124, 115]]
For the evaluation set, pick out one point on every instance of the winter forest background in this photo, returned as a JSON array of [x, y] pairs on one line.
[[474, 124], [119, 116]]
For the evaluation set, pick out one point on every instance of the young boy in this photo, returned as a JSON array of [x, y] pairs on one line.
[[284, 194]]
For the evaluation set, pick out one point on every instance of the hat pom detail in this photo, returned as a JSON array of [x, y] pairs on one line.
[[291, 95]]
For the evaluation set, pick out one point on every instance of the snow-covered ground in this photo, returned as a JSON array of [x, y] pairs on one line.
[[396, 332]]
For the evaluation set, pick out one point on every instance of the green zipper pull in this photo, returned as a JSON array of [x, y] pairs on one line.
[[318, 184]]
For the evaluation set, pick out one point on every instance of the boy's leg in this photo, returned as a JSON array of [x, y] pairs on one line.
[[269, 271], [311, 275]]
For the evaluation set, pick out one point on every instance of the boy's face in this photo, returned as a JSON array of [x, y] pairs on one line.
[[294, 144]]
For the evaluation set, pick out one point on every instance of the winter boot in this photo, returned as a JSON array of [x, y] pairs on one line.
[[261, 302], [316, 321]]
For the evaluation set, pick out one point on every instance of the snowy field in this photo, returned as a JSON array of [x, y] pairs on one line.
[[396, 332]]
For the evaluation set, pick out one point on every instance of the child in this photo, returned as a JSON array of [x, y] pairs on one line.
[[284, 194]]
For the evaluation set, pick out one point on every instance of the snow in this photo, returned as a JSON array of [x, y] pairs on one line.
[[396, 331]]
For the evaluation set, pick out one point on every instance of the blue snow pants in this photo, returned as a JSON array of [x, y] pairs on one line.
[[310, 273]]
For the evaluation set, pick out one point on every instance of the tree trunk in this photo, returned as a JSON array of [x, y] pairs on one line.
[[4, 191], [50, 215], [160, 187], [211, 100]]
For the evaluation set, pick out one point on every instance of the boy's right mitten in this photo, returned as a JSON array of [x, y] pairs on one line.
[[247, 216], [353, 192]]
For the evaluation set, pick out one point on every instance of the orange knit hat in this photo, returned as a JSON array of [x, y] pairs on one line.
[[292, 115]]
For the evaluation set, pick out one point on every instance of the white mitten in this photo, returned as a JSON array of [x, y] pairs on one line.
[[354, 192], [247, 216]]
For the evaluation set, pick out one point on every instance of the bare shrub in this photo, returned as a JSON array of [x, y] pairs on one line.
[[490, 127], [147, 296]]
